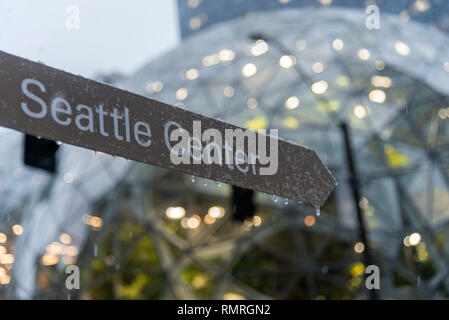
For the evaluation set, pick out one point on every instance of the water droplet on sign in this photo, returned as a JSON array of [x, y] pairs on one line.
[[218, 183], [204, 182], [275, 198], [317, 210], [193, 179], [95, 250], [285, 201]]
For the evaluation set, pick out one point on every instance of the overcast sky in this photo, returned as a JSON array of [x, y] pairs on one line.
[[114, 35]]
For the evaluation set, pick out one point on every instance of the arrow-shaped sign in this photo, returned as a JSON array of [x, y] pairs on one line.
[[43, 101]]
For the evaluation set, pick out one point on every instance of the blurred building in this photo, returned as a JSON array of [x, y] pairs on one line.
[[140, 232]]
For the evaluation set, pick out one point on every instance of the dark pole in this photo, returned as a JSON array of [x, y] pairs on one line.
[[354, 182]]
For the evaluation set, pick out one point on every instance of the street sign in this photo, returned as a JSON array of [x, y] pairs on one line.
[[56, 105]]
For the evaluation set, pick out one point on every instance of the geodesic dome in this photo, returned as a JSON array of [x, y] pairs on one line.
[[304, 72]]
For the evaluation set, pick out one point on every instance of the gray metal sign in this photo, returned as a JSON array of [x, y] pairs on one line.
[[43, 101]]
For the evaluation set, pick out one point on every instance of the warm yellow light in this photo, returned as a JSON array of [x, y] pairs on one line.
[[193, 3], [360, 111], [317, 67], [407, 241], [359, 247], [233, 296], [182, 93], [49, 260], [287, 61], [414, 239], [192, 74], [377, 96], [309, 221], [93, 221], [17, 229], [319, 87], [229, 92], [363, 54], [342, 81], [96, 222], [257, 221], [252, 103], [259, 122], [364, 203], [290, 122], [301, 44], [216, 212], [248, 223], [284, 1], [380, 81], [7, 259], [226, 55], [184, 223], [326, 2], [3, 237], [379, 64], [422, 5], [2, 271], [357, 269], [209, 220], [54, 248], [292, 103], [65, 238], [68, 177], [259, 48], [194, 222], [401, 48], [446, 66], [442, 113], [249, 70], [395, 158], [175, 213], [404, 15], [67, 260], [337, 44]]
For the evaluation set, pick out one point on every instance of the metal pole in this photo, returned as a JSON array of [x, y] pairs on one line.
[[354, 182]]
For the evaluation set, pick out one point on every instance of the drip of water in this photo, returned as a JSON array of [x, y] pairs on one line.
[[204, 182], [193, 179], [68, 296], [275, 198], [95, 250], [285, 201], [317, 211], [58, 143], [218, 183]]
